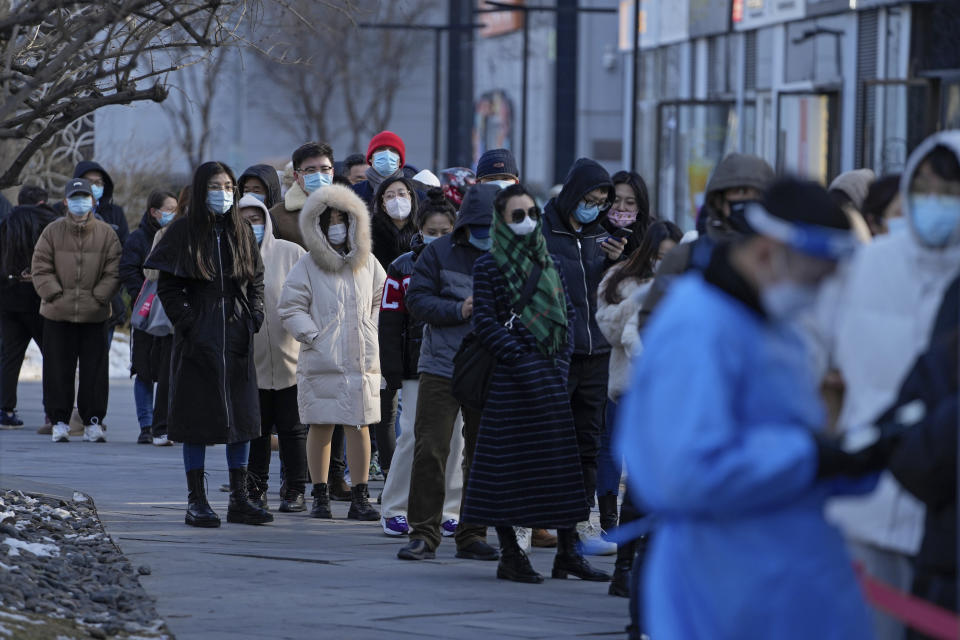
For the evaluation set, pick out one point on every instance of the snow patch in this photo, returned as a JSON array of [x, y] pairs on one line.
[[36, 548], [32, 369]]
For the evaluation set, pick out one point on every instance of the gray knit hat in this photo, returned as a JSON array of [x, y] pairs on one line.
[[855, 185], [740, 170]]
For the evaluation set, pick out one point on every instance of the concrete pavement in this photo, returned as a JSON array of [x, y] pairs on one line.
[[297, 577]]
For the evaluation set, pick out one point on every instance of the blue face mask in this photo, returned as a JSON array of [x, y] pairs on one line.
[[480, 238], [97, 192], [428, 239], [313, 181], [79, 205], [386, 162], [166, 217], [896, 225], [935, 217], [258, 196], [219, 202], [258, 232], [585, 214]]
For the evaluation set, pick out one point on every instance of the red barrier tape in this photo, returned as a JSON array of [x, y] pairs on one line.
[[916, 613]]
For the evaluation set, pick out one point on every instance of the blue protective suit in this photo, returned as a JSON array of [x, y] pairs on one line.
[[716, 432]]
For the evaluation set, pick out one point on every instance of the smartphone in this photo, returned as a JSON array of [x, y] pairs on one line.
[[621, 234]]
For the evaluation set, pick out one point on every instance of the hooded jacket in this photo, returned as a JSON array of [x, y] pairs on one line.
[[578, 253], [400, 333], [275, 352], [18, 237], [268, 176], [443, 278], [872, 321], [330, 304], [76, 269], [618, 322], [109, 212], [135, 252]]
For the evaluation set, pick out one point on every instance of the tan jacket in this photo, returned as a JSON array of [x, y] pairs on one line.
[[286, 216], [331, 304], [76, 269], [275, 352]]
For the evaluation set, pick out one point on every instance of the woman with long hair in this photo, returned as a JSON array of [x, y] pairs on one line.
[[211, 287], [630, 211]]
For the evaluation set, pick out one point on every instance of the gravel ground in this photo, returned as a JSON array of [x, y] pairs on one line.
[[62, 577]]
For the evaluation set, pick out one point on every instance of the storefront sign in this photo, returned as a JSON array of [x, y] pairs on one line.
[[709, 17], [500, 22], [823, 7], [751, 14]]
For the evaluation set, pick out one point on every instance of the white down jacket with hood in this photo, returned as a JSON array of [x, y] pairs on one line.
[[331, 304], [275, 352], [873, 320]]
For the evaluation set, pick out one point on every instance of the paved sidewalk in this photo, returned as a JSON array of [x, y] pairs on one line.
[[295, 578]]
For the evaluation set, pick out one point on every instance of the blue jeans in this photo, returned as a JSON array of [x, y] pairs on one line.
[[194, 455], [609, 464], [143, 398]]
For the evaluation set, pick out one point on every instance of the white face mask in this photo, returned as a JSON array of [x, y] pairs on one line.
[[337, 233], [522, 228], [398, 208]]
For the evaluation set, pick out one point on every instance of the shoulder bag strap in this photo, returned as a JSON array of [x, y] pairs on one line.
[[529, 288]]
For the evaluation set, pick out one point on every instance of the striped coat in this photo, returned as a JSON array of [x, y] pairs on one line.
[[526, 466]]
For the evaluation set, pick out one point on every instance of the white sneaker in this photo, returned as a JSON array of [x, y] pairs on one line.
[[523, 537], [61, 432], [162, 441], [591, 539], [93, 433]]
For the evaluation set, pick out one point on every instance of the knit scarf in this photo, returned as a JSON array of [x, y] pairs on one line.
[[546, 313], [375, 178]]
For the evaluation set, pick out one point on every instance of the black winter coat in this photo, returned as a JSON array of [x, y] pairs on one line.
[[109, 212], [390, 242], [579, 256], [400, 333], [135, 253], [268, 176], [213, 380], [18, 236]]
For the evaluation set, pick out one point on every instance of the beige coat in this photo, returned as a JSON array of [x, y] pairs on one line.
[[619, 325], [76, 269], [331, 304], [286, 216], [275, 352]]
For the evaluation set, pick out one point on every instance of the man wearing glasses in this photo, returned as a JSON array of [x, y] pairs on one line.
[[584, 250], [312, 170]]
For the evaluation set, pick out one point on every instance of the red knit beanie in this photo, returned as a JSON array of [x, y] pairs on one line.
[[386, 139]]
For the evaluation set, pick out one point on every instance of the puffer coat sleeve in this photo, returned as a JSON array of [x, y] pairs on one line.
[[422, 297], [295, 300], [45, 279]]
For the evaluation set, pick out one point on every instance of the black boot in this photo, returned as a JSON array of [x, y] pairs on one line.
[[620, 585], [514, 564], [240, 510], [569, 561], [339, 489], [360, 508], [608, 512], [257, 491], [292, 502], [321, 502], [199, 513]]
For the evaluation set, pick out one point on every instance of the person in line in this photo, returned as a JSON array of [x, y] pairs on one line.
[[355, 168], [871, 323], [330, 304], [386, 158], [849, 189], [630, 211], [262, 182], [499, 167], [20, 319], [211, 287], [526, 469], [738, 412], [401, 336], [75, 272], [312, 170], [584, 250], [441, 296], [883, 207], [275, 353], [161, 209]]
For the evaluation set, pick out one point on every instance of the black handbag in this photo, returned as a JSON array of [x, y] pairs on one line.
[[473, 364]]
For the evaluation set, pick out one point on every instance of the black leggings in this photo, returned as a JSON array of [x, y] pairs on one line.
[[278, 409], [385, 432], [17, 329]]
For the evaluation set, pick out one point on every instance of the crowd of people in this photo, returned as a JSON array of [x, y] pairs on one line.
[[778, 386]]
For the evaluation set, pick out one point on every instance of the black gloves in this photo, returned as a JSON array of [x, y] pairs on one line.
[[834, 461]]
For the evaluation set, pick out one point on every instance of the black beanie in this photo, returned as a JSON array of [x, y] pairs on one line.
[[804, 202]]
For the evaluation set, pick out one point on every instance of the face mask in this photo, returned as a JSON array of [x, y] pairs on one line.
[[896, 225], [219, 202], [258, 232], [585, 214], [523, 227], [258, 196], [79, 205], [935, 217], [97, 192], [398, 208], [786, 300], [503, 184], [337, 233], [166, 217], [386, 162], [313, 181], [483, 244], [429, 239], [622, 219]]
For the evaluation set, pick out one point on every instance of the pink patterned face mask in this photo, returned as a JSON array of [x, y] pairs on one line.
[[622, 219]]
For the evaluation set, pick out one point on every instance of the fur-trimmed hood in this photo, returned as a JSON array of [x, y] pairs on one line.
[[358, 228]]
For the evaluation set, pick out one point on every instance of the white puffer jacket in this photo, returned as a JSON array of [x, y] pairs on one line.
[[331, 304], [873, 321], [619, 325], [275, 352]]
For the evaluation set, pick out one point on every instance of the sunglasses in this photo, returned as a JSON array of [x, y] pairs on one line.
[[517, 215]]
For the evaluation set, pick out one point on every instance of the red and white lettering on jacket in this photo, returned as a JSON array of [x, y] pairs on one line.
[[393, 293]]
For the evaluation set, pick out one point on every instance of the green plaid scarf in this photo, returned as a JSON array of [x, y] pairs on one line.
[[546, 313]]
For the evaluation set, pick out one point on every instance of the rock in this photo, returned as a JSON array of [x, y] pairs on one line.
[[144, 570]]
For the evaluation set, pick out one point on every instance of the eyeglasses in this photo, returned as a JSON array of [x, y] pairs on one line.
[[603, 205], [391, 195], [517, 215], [211, 186], [326, 168]]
